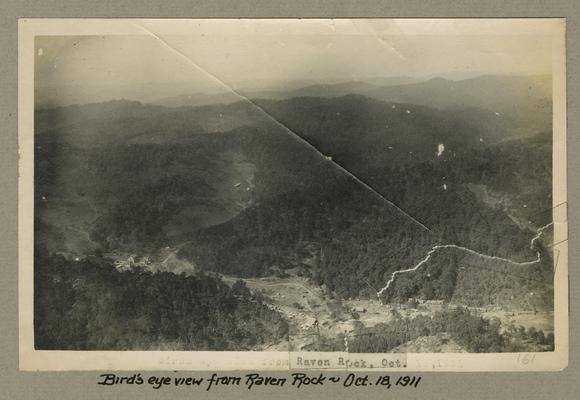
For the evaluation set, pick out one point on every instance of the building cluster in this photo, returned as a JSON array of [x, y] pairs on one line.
[[132, 261]]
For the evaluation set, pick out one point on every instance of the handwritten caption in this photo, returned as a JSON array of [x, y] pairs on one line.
[[252, 381]]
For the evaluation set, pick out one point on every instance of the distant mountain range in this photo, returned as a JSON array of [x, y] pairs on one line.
[[522, 103], [498, 107], [488, 91]]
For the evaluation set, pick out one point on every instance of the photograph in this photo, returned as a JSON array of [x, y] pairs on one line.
[[292, 194]]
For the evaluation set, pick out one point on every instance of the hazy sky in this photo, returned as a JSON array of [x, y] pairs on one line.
[[80, 69]]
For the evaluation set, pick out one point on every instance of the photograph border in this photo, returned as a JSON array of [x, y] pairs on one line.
[[31, 359]]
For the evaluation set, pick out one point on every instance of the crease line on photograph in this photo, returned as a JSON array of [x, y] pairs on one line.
[[288, 130], [383, 41]]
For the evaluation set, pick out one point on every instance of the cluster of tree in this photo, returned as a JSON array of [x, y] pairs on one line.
[[301, 199], [89, 305], [351, 232], [530, 339], [525, 287], [439, 192], [436, 280], [138, 219], [463, 278], [359, 130], [363, 240], [456, 216], [141, 189], [473, 333]]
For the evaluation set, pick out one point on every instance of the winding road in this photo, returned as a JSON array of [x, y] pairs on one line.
[[436, 248]]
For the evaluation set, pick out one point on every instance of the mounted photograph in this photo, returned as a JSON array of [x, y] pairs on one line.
[[290, 194]]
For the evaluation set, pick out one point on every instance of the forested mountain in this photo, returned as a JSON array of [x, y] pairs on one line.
[[122, 122], [343, 191], [199, 99], [499, 105], [88, 305], [517, 104], [104, 161], [497, 93], [234, 96], [324, 90], [487, 92], [363, 239]]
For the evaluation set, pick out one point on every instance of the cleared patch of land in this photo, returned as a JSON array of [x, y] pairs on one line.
[[313, 314]]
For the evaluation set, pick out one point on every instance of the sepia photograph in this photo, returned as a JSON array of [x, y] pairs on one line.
[[293, 194]]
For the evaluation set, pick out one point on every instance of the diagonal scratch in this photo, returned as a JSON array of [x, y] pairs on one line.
[[382, 40], [229, 87]]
